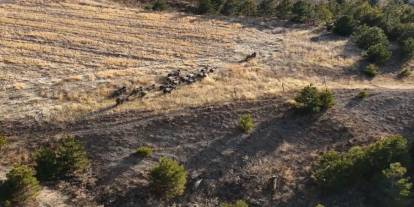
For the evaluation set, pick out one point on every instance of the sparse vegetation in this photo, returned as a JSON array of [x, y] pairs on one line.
[[238, 203], [168, 178], [20, 188], [144, 151], [67, 159], [310, 99], [371, 70], [246, 123]]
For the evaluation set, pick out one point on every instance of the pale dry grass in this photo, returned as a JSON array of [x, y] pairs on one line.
[[62, 60]]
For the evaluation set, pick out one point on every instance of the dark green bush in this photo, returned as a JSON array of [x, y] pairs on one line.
[[284, 9], [168, 179], [327, 99], [394, 186], [344, 26], [248, 8], [371, 70], [231, 7], [246, 123], [378, 54], [407, 47], [72, 157], [334, 171], [67, 159], [366, 36], [239, 203], [144, 151], [20, 188], [310, 99], [159, 5], [47, 167], [302, 11]]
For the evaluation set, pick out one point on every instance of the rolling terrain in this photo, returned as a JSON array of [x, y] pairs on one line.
[[61, 60]]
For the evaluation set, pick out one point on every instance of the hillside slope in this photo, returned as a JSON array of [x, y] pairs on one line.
[[61, 60]]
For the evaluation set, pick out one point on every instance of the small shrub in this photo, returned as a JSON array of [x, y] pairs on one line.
[[404, 73], [144, 151], [310, 99], [366, 36], [159, 5], [362, 95], [20, 188], [71, 157], [407, 47], [248, 8], [378, 54], [168, 179], [67, 159], [344, 26], [246, 123], [327, 99], [3, 142], [395, 188], [371, 70], [238, 203], [319, 205], [302, 11]]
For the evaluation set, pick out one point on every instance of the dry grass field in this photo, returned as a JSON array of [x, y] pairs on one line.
[[60, 60]]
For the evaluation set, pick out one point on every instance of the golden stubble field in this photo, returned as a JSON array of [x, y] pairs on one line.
[[61, 60]]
